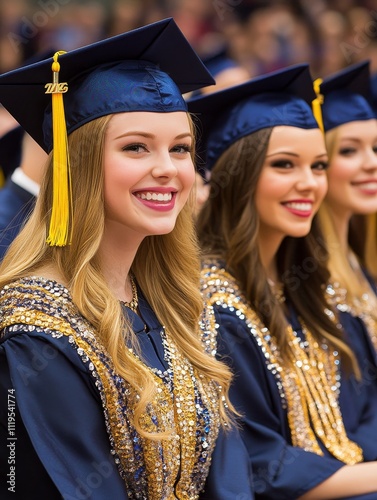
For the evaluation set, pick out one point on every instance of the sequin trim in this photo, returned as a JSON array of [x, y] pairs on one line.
[[185, 403], [361, 307], [312, 414]]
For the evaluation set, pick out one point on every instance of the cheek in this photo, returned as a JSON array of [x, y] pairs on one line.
[[187, 176], [341, 171], [322, 188]]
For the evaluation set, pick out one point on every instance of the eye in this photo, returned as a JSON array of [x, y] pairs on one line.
[[347, 151], [135, 147], [284, 164], [320, 165], [375, 149], [181, 148]]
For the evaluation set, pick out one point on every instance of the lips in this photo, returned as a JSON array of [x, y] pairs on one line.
[[161, 199], [153, 196], [300, 208]]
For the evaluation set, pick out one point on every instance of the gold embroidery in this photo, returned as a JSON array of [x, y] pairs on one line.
[[185, 403], [308, 387]]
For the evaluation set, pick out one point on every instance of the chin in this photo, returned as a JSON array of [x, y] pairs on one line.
[[157, 231], [299, 232]]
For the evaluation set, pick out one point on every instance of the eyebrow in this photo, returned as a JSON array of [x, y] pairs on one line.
[[152, 136], [293, 154]]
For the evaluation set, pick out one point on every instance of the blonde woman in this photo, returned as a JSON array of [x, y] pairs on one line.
[[108, 391], [351, 139], [309, 410]]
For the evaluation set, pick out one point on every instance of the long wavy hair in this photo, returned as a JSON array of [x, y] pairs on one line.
[[166, 268], [228, 227], [339, 264]]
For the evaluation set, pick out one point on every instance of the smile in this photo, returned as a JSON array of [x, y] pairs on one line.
[[299, 208], [149, 196]]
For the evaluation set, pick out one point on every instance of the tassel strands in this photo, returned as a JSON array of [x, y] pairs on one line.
[[317, 103], [59, 229]]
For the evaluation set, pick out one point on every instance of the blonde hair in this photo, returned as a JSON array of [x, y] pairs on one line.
[[338, 263], [370, 252], [166, 267]]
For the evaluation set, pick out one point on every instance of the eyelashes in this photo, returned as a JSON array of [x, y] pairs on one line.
[[286, 164]]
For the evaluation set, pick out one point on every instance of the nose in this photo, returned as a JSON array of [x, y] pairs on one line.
[[370, 162], [307, 180], [164, 166]]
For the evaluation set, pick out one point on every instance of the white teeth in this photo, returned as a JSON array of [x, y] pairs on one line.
[[304, 207], [155, 196], [368, 185]]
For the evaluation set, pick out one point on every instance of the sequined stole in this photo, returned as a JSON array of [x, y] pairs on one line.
[[361, 307], [175, 468], [308, 388]]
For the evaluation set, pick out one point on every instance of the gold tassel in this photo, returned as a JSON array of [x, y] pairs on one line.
[[2, 178], [59, 230], [317, 103]]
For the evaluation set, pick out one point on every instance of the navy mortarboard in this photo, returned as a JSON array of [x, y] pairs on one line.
[[347, 96], [147, 69], [283, 97]]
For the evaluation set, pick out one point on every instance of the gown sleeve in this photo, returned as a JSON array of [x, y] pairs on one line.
[[61, 446], [280, 470], [230, 474], [358, 399]]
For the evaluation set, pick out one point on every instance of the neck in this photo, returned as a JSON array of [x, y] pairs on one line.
[[341, 221], [268, 248], [116, 260]]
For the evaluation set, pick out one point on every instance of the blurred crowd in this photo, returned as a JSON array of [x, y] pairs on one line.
[[260, 35]]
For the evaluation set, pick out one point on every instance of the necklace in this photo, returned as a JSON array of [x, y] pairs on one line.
[[133, 304]]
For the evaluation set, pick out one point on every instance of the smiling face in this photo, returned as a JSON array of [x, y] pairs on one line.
[[292, 183], [148, 173], [352, 176]]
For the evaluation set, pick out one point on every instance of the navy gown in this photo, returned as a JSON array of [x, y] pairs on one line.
[[15, 206], [61, 442], [280, 470]]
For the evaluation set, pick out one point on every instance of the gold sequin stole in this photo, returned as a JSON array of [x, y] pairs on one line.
[[185, 403], [363, 307], [308, 388]]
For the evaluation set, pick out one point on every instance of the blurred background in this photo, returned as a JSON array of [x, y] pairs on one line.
[[261, 36]]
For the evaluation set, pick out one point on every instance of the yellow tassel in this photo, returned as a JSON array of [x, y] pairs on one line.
[[317, 103], [2, 178], [59, 230]]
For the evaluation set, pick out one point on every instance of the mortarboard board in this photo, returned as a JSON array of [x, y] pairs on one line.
[[127, 72], [283, 97], [347, 96]]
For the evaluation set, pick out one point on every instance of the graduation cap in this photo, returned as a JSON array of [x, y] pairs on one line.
[[127, 72], [146, 69], [347, 96], [283, 97], [373, 82]]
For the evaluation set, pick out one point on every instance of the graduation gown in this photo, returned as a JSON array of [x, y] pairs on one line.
[[58, 385], [281, 470], [15, 206]]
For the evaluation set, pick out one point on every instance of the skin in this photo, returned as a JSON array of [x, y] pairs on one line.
[[145, 154], [352, 176], [290, 189]]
